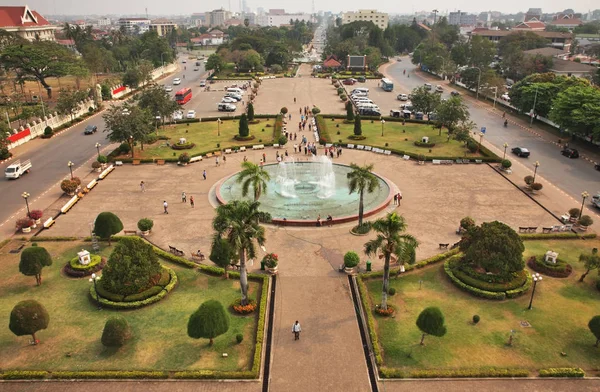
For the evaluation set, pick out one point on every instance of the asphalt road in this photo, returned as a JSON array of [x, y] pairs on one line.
[[573, 176], [49, 157]]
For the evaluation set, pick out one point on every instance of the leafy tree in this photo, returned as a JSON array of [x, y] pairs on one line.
[[156, 101], [481, 51], [209, 321], [279, 54], [131, 268], [594, 326], [361, 179], [252, 175], [590, 262], [349, 111], [250, 111], [116, 332], [495, 247], [128, 127], [390, 241], [132, 77], [431, 322], [451, 112], [69, 100], [33, 259], [460, 53], [244, 130], [27, 318], [222, 254], [145, 69], [106, 225], [357, 125], [578, 109], [424, 101]]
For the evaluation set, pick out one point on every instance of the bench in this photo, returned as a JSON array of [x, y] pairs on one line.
[[406, 157], [555, 228], [49, 222], [444, 246], [276, 145], [387, 152], [532, 229], [459, 161], [135, 162], [327, 145], [436, 162], [130, 232], [228, 151], [209, 155], [258, 147], [242, 148], [235, 267], [466, 161], [198, 255], [175, 251], [368, 148], [350, 146], [196, 159], [119, 163], [360, 147], [523, 229], [160, 162], [546, 230], [478, 161], [568, 227]]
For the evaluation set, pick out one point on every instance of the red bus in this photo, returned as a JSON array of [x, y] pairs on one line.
[[183, 96]]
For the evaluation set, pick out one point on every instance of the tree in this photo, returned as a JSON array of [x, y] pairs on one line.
[[253, 175], [590, 262], [33, 259], [157, 101], [390, 241], [361, 179], [209, 321], [424, 101], [27, 318], [131, 268], [214, 63], [250, 110], [39, 60], [594, 326], [578, 109], [69, 101], [431, 322], [481, 51], [128, 127], [357, 125], [244, 130], [451, 112], [495, 247], [349, 111], [221, 254], [116, 332], [106, 225], [145, 69]]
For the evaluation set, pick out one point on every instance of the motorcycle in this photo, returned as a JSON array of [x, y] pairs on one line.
[[505, 123]]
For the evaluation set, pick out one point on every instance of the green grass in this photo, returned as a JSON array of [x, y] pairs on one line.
[[399, 137], [72, 340], [206, 137], [561, 310]]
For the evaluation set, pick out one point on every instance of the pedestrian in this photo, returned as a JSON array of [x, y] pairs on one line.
[[217, 160], [192, 201], [295, 136], [224, 159], [319, 220], [395, 199], [143, 186], [286, 153], [399, 197], [290, 116], [305, 150], [204, 174], [183, 197], [294, 99], [165, 206], [264, 158], [329, 220], [245, 158], [300, 110], [296, 330]]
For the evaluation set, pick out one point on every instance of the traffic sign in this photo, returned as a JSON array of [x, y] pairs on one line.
[[482, 129]]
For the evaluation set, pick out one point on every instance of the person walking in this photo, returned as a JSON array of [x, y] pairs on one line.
[[217, 160], [294, 99], [395, 199], [264, 158], [245, 158], [183, 197], [224, 159], [165, 206], [142, 186], [204, 174], [192, 201], [296, 330], [399, 197]]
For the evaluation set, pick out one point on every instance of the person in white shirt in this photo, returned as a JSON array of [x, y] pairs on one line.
[[296, 330], [165, 205]]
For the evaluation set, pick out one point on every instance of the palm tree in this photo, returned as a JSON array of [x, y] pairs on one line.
[[390, 241], [253, 175], [238, 222], [359, 180]]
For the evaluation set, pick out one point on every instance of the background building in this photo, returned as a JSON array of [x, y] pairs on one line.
[[217, 17], [459, 18], [134, 25], [278, 17], [380, 19], [26, 23], [162, 27]]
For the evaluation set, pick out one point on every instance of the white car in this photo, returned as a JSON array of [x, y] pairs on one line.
[[505, 97], [402, 97], [168, 88], [126, 112], [176, 81], [191, 114], [228, 100], [203, 83], [178, 115]]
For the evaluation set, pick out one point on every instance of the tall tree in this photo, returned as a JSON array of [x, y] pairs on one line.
[[451, 112], [238, 222], [349, 111], [128, 127], [361, 180], [158, 102], [253, 175], [424, 101], [431, 322], [243, 129], [390, 241], [69, 101], [578, 109]]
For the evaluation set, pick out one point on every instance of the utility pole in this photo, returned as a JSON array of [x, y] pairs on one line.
[[533, 110]]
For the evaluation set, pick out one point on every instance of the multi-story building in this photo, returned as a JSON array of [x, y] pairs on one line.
[[162, 27], [198, 19], [135, 25], [459, 18], [103, 22], [556, 39], [217, 17], [380, 19], [281, 19], [26, 23]]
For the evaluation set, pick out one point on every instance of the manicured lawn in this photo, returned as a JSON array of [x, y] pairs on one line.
[[561, 310], [72, 340], [397, 139], [206, 136]]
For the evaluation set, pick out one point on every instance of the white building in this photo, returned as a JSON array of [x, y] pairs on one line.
[[380, 19], [278, 19], [103, 22], [462, 19], [133, 25]]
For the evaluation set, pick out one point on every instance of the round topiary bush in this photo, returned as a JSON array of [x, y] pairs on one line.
[[124, 148], [506, 164], [284, 110], [103, 158], [351, 259], [282, 140], [391, 291], [28, 317], [585, 221], [76, 270], [183, 146], [69, 186], [96, 165], [145, 224], [116, 332], [239, 338], [559, 270], [476, 319], [184, 158], [106, 225], [536, 186]]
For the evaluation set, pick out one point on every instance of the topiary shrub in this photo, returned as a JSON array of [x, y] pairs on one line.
[[184, 158], [69, 186], [116, 332], [528, 180], [239, 338], [183, 146], [351, 259], [48, 132], [357, 126], [145, 224], [28, 317], [574, 212], [536, 186], [467, 223], [315, 110], [33, 259], [506, 164], [282, 140], [96, 165], [124, 148], [283, 110], [585, 221], [476, 319], [103, 159], [391, 291], [209, 321], [106, 225], [472, 146], [243, 129]]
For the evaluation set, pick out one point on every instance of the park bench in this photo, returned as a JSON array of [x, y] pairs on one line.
[[444, 246], [360, 147], [436, 161], [546, 230], [209, 155], [368, 148], [228, 151], [350, 146], [235, 267], [532, 229], [478, 161], [276, 145], [49, 222], [175, 251], [118, 163], [523, 229], [160, 162], [130, 232], [242, 148], [568, 227], [258, 147], [196, 159], [406, 157]]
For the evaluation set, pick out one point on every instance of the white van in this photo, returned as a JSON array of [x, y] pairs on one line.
[[358, 94], [235, 90], [367, 106], [360, 90], [362, 100]]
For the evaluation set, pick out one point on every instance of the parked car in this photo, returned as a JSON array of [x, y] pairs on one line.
[[570, 152], [191, 114], [402, 97], [419, 115], [439, 89], [455, 93], [349, 81], [184, 61], [203, 83], [178, 115], [596, 198], [395, 113], [505, 97], [361, 79], [90, 129], [176, 81], [234, 96], [427, 86], [407, 106], [196, 68], [596, 165], [228, 100], [226, 107], [521, 152], [168, 88]]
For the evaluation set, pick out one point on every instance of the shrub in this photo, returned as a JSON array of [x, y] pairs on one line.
[[184, 158], [145, 224], [559, 270], [472, 146], [271, 260], [244, 309], [315, 110], [528, 180], [28, 317], [209, 321], [283, 110], [431, 322], [467, 223], [585, 221], [183, 146], [94, 261], [36, 214], [116, 332], [250, 111], [23, 223], [351, 259], [340, 90], [69, 186], [594, 326], [221, 253], [423, 144], [124, 148], [562, 372], [473, 290], [243, 129], [574, 212], [103, 159], [476, 319], [357, 126], [96, 165], [506, 164], [239, 338], [362, 229], [106, 225], [391, 291], [48, 131], [518, 280], [33, 259], [536, 186], [282, 140]]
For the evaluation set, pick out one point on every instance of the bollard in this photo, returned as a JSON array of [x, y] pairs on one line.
[[368, 265], [262, 265]]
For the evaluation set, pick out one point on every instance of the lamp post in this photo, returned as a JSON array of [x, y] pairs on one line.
[[162, 62], [495, 96], [25, 196], [93, 279], [98, 148], [70, 164], [532, 114], [584, 196], [478, 82], [481, 134], [536, 278], [219, 127], [536, 165], [382, 122], [505, 147]]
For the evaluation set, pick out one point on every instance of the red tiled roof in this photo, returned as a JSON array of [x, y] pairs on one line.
[[573, 21], [67, 42], [531, 24], [331, 63], [11, 17]]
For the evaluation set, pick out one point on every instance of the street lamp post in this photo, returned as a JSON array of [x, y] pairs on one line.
[[98, 148], [495, 96], [382, 122], [25, 196], [536, 278], [70, 164], [93, 279], [218, 127], [536, 165], [584, 196], [478, 82], [532, 114], [481, 134], [505, 147]]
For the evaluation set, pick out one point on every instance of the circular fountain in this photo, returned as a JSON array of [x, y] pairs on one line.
[[299, 191]]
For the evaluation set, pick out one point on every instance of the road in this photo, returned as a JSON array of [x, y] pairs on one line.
[[49, 157], [573, 176]]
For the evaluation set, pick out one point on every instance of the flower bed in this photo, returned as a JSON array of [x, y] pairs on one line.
[[76, 270], [559, 270], [384, 312], [244, 309], [183, 146]]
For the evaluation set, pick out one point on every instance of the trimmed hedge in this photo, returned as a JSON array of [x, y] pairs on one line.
[[421, 264], [80, 273], [109, 374], [521, 290], [556, 236], [562, 372], [324, 136], [519, 281], [370, 321], [183, 146], [94, 261], [453, 373], [423, 144], [24, 374], [559, 270], [448, 268]]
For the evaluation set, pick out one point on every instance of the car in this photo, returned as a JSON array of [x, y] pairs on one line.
[[395, 113], [402, 97], [191, 114], [349, 81], [521, 152], [184, 61], [178, 115], [90, 129], [427, 86], [505, 97], [228, 100], [168, 88], [226, 107], [596, 165], [398, 59], [570, 152], [176, 81], [455, 93], [196, 68], [361, 79], [407, 106], [203, 83], [439, 89], [368, 112], [235, 96]]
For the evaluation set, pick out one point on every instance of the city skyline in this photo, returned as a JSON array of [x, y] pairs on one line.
[[155, 7]]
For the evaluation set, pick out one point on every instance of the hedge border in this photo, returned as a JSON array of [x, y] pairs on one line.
[[386, 372], [465, 287], [562, 372], [421, 264], [557, 236], [537, 264]]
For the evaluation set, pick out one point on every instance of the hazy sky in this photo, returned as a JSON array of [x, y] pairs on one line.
[[183, 7]]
